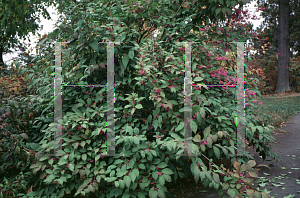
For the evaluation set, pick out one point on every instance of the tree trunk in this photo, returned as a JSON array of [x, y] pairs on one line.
[[283, 47]]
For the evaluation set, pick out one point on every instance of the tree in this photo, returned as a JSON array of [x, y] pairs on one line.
[[17, 19], [282, 36], [270, 23], [283, 46]]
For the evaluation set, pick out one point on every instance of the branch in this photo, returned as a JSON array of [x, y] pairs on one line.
[[296, 24]]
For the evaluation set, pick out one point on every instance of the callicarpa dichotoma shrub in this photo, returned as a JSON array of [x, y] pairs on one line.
[[149, 104]]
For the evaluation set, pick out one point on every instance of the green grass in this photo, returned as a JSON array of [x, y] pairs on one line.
[[277, 109]]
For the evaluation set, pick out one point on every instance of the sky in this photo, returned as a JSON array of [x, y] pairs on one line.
[[48, 26]]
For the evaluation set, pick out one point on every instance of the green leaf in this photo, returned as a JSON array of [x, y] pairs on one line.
[[162, 165], [154, 175], [132, 111], [123, 36], [198, 79], [125, 60], [76, 137], [142, 166], [260, 129], [160, 193], [225, 151], [117, 184], [129, 130], [153, 152], [136, 172], [202, 175], [193, 126], [196, 174], [132, 176], [206, 132], [199, 119], [111, 179], [50, 161], [139, 106], [217, 152], [161, 180], [197, 138], [127, 181], [167, 171], [89, 101], [153, 193], [216, 178], [227, 10], [233, 3], [84, 156], [155, 124], [71, 167], [136, 140], [149, 118], [122, 173], [81, 101], [167, 178], [60, 181], [44, 158], [97, 158], [94, 45], [28, 77], [202, 147], [62, 161], [222, 52], [179, 127], [142, 154], [78, 112], [202, 112], [122, 184], [131, 54], [218, 10], [231, 192]]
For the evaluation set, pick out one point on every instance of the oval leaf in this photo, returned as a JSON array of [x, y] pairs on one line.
[[24, 135]]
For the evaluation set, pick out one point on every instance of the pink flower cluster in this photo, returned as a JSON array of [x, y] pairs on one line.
[[222, 58], [157, 90]]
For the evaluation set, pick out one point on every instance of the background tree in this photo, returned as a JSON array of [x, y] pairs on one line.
[[17, 19], [282, 36], [270, 23], [283, 46]]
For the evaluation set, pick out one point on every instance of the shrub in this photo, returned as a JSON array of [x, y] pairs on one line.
[[149, 111]]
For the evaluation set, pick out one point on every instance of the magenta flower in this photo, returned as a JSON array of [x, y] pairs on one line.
[[260, 103]]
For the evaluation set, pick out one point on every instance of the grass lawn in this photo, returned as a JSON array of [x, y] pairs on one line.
[[277, 109]]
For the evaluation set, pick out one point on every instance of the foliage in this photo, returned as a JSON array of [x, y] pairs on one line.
[[17, 19], [149, 106], [270, 15], [264, 68]]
